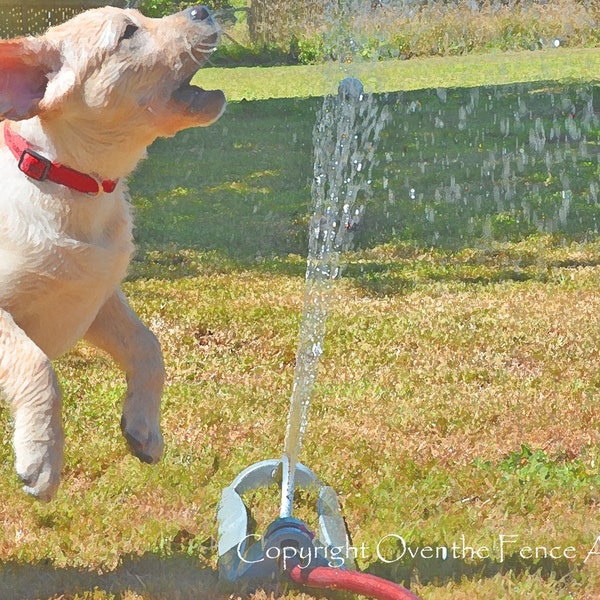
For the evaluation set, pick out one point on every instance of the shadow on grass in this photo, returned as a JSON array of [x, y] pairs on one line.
[[149, 576], [374, 277], [184, 577], [437, 571], [242, 187], [175, 577]]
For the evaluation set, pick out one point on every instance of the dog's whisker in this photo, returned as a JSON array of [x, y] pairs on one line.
[[206, 47], [203, 51], [231, 39], [197, 60], [194, 58]]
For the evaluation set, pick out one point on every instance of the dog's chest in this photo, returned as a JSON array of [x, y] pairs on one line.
[[65, 239], [59, 261]]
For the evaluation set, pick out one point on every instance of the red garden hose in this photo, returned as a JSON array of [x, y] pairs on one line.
[[350, 581]]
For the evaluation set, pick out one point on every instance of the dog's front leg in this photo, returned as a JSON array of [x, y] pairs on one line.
[[29, 383], [119, 332]]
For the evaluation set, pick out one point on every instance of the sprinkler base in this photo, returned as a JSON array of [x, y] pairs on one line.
[[246, 555]]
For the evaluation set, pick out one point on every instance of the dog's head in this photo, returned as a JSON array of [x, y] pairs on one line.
[[115, 69]]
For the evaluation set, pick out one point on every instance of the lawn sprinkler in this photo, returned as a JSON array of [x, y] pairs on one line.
[[288, 549], [286, 541]]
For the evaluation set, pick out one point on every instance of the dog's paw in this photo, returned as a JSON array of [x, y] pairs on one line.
[[38, 465], [145, 442]]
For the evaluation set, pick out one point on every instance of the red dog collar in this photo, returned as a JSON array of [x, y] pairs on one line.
[[40, 168]]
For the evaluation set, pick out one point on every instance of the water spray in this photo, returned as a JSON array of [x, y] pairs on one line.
[[346, 135]]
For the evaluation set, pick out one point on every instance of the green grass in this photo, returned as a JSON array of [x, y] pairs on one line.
[[421, 73], [458, 393]]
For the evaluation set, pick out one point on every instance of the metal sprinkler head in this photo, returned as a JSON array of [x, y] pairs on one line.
[[351, 89], [246, 555]]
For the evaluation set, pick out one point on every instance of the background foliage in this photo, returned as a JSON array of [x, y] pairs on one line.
[[311, 31]]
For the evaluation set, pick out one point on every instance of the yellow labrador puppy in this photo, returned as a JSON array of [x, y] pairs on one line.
[[79, 106]]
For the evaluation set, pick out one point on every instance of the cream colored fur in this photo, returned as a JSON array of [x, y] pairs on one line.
[[91, 94]]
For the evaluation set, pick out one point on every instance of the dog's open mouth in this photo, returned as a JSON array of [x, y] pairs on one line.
[[198, 101]]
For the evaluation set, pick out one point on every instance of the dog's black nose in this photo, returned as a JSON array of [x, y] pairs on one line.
[[199, 13]]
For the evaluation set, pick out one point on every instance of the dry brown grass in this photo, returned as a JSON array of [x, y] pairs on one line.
[[422, 398]]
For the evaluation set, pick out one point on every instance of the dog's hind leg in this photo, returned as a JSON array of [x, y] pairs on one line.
[[118, 331], [29, 383]]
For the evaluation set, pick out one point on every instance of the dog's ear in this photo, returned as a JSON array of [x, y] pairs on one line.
[[26, 65]]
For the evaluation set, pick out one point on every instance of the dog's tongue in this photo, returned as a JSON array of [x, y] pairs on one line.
[[197, 99]]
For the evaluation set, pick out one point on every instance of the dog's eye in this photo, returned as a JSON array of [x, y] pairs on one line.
[[129, 32]]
